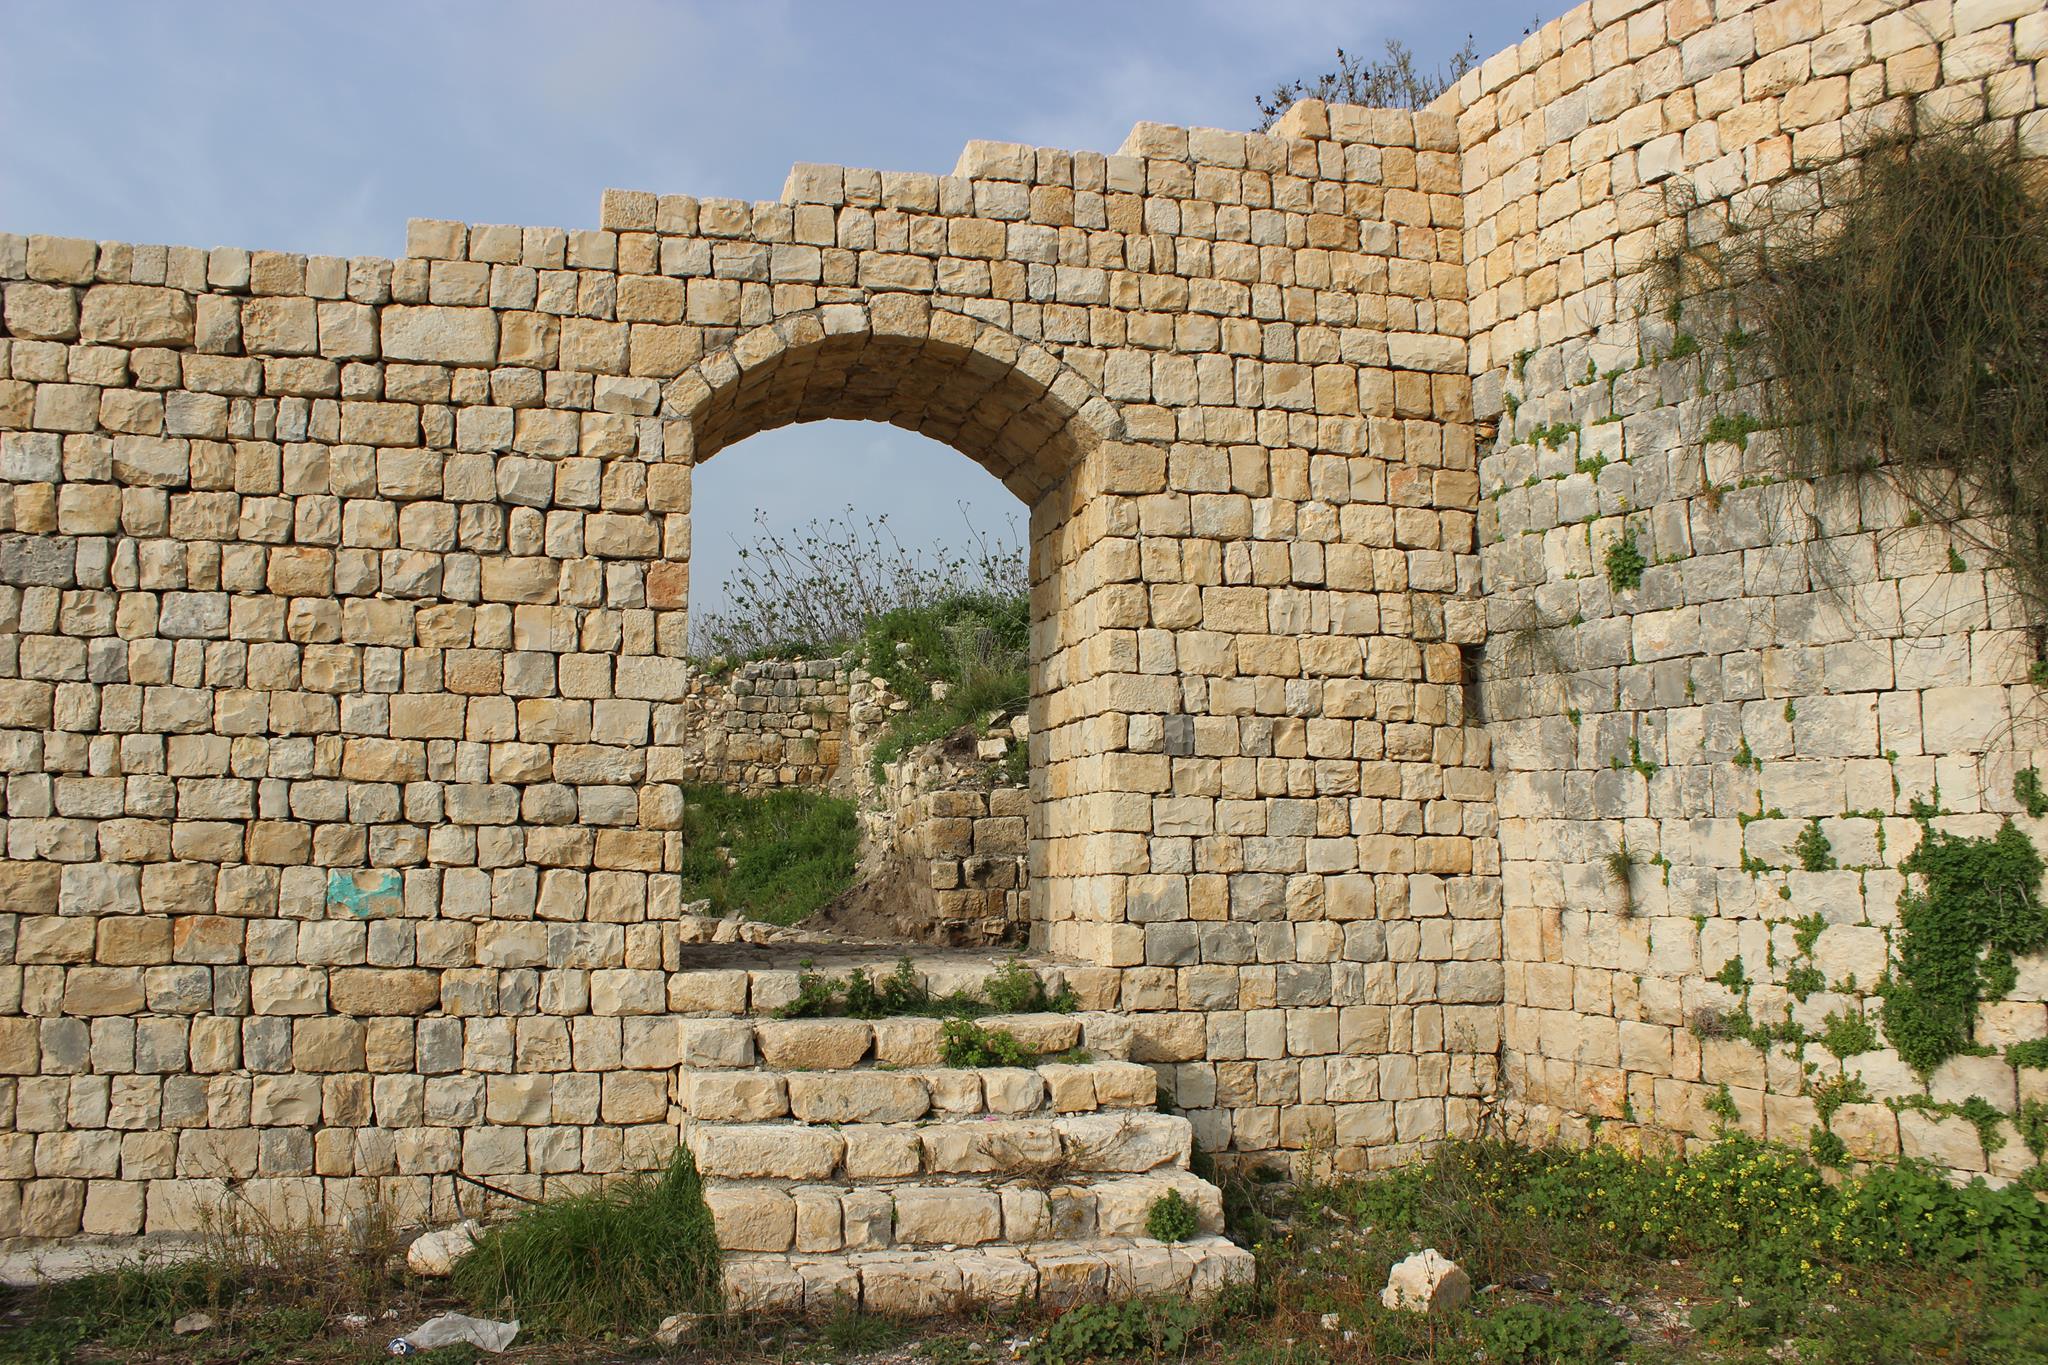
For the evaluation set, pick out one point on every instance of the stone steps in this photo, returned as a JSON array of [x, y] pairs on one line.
[[1130, 1142], [844, 1160], [771, 980], [918, 1283], [728, 1044], [770, 1216], [871, 1094]]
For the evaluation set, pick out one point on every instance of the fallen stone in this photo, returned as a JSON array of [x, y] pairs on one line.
[[434, 1254], [1426, 1283]]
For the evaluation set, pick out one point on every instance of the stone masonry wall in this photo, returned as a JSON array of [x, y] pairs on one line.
[[344, 707], [1795, 650], [768, 723], [343, 701]]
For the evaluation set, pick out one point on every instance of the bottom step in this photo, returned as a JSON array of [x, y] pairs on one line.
[[930, 1283]]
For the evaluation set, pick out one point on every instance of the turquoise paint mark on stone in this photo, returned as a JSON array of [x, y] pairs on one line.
[[365, 893]]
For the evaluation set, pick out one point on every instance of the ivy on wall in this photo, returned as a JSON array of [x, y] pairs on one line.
[[1978, 907]]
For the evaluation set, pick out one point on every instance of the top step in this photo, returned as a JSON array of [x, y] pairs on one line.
[[742, 980]]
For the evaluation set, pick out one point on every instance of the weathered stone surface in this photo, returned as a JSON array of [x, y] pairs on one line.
[[813, 1044], [1426, 1283], [136, 315], [857, 1097]]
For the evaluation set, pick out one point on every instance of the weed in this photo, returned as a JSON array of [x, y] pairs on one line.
[[1016, 989], [1847, 1035], [1732, 430], [1977, 906], [1626, 562], [974, 647], [2029, 792], [1815, 853], [1151, 1330], [1897, 311], [968, 1044], [2032, 1054], [1171, 1218], [1803, 981], [623, 1257], [1620, 865], [1540, 1334]]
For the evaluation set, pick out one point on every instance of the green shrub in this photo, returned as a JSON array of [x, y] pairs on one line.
[[775, 857], [1977, 908], [968, 1044], [1138, 1329], [1539, 1334], [2028, 791], [1847, 1035], [622, 1258], [1626, 562], [1816, 854], [1016, 989], [1171, 1218]]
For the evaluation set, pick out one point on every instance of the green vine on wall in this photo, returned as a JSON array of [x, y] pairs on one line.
[[1977, 907]]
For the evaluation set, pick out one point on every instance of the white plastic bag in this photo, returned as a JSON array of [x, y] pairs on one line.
[[450, 1328]]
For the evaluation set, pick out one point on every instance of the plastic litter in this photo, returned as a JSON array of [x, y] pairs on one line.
[[451, 1328]]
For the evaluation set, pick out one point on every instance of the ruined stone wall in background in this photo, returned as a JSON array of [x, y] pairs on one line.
[[768, 723]]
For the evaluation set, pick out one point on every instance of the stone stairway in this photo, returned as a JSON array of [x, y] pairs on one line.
[[845, 1162]]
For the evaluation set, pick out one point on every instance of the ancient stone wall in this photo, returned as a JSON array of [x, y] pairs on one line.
[[768, 723], [1794, 651], [342, 623], [344, 707]]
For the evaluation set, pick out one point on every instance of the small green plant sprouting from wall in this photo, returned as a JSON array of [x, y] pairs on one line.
[[2032, 1054], [1721, 1104], [2028, 791], [1626, 562], [1171, 1218], [1976, 908], [1745, 757], [1902, 331], [1734, 430], [1815, 853], [1732, 975], [1621, 866], [1847, 1035]]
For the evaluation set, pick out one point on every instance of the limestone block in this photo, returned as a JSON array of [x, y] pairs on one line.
[[766, 1151], [946, 1215], [813, 1044], [716, 1042], [384, 991], [1013, 1090], [1426, 1282], [924, 1287], [867, 1219], [909, 1042], [136, 315], [761, 1284], [1008, 1146], [443, 336], [734, 1096], [752, 1219], [874, 1153], [857, 1097], [1125, 1141]]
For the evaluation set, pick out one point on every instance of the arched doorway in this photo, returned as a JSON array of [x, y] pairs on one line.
[[1044, 431]]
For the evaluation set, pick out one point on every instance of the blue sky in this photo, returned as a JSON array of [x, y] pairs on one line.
[[322, 128]]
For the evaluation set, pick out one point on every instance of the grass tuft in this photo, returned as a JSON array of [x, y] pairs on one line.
[[621, 1258]]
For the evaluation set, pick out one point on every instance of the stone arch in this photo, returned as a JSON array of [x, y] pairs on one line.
[[1047, 433], [1006, 403]]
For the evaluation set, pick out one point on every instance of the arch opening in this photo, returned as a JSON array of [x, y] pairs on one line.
[[1031, 422]]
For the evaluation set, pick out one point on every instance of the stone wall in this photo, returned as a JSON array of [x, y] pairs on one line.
[[1795, 650], [768, 723], [343, 699], [344, 707]]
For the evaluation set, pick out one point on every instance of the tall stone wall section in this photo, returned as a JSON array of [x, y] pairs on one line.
[[343, 700], [1795, 650], [767, 723]]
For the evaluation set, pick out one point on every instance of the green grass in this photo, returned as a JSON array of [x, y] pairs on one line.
[[977, 645], [621, 1258], [784, 855]]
